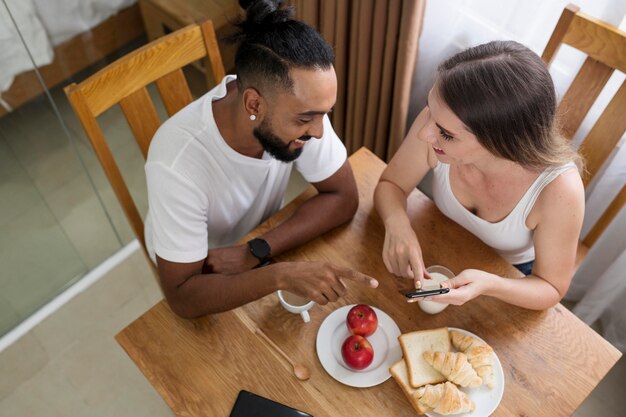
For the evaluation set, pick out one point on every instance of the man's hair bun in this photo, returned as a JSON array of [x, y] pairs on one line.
[[245, 3], [271, 42], [264, 12]]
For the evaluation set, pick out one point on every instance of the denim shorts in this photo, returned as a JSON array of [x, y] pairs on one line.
[[526, 268]]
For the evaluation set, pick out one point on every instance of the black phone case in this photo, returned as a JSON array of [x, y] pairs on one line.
[[424, 293], [249, 404]]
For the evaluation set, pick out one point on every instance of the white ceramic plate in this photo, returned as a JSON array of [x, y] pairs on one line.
[[486, 399], [387, 351]]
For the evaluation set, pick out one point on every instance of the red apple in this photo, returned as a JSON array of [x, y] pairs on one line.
[[362, 320], [357, 352]]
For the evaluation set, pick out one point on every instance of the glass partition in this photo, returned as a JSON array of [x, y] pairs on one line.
[[58, 215]]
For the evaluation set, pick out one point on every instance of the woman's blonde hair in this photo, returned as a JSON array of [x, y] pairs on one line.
[[503, 92]]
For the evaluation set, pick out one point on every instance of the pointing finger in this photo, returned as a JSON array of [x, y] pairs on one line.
[[357, 276], [418, 273]]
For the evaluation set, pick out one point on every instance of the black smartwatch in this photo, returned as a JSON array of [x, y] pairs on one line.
[[261, 250]]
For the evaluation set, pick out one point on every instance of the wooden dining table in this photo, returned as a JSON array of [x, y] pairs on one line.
[[551, 360]]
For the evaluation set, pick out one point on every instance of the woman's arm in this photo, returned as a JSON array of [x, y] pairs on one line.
[[401, 252], [557, 216], [559, 211]]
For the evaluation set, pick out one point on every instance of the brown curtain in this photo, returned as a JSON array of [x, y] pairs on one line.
[[375, 44]]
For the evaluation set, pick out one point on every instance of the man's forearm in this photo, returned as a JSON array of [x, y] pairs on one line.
[[213, 293], [204, 294], [315, 217]]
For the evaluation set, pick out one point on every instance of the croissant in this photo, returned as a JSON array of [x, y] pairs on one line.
[[479, 355], [445, 398], [454, 366]]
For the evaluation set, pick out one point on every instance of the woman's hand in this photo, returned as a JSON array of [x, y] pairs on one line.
[[402, 254], [466, 286]]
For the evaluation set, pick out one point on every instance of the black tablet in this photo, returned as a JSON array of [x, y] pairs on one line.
[[252, 405]]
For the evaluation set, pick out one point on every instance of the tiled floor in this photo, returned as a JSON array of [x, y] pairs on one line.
[[70, 364]]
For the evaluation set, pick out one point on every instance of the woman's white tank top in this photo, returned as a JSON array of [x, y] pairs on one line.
[[509, 237]]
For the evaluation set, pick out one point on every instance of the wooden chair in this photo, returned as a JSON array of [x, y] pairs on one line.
[[605, 47], [124, 82]]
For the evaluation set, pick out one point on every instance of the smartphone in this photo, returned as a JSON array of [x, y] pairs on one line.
[[424, 293], [249, 404]]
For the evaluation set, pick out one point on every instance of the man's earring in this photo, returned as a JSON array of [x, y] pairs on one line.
[[253, 117]]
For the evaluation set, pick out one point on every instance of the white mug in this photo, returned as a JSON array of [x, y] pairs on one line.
[[295, 304]]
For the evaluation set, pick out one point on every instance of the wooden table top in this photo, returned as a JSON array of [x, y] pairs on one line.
[[551, 359]]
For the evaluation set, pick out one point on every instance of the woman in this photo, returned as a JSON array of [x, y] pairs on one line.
[[500, 169]]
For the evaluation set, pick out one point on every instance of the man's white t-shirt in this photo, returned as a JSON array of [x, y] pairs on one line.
[[202, 194]]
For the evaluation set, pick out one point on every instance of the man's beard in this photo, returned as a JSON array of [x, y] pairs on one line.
[[273, 145]]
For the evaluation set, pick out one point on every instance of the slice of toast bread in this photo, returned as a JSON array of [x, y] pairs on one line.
[[414, 344], [400, 374]]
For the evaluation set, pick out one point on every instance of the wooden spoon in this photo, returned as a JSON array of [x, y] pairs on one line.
[[300, 371]]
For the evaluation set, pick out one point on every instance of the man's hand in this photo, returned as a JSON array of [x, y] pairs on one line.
[[229, 260], [319, 281]]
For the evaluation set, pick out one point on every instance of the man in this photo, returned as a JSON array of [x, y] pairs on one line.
[[220, 167]]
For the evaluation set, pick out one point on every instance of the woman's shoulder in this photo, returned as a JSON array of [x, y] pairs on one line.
[[566, 193], [567, 182]]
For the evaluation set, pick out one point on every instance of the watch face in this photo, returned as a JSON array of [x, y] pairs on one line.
[[259, 248]]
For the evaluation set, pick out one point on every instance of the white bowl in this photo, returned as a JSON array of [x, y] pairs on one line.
[[438, 275]]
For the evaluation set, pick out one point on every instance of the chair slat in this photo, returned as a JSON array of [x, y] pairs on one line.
[[142, 67], [599, 40], [212, 48], [605, 47], [559, 32], [101, 148], [582, 93], [606, 218], [604, 135], [142, 117], [174, 91]]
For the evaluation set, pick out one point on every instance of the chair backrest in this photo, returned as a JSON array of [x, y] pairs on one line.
[[605, 47], [124, 82]]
